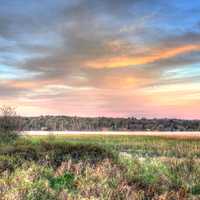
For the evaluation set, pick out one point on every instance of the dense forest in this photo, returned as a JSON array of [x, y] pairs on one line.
[[63, 123]]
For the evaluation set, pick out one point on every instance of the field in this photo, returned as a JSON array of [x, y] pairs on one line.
[[100, 167]]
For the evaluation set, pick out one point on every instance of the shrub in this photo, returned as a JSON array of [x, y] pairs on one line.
[[62, 182], [9, 123], [195, 190]]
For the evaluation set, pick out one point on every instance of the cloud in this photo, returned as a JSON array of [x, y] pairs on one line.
[[100, 56], [10, 91], [155, 55]]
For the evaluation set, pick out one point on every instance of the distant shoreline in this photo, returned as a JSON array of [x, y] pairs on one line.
[[177, 134], [62, 123]]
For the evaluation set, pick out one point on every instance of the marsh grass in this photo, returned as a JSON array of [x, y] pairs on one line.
[[100, 167]]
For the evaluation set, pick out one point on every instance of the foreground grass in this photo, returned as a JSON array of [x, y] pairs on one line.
[[99, 167]]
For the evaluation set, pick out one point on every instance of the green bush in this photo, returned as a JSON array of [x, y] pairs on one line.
[[195, 190], [62, 182]]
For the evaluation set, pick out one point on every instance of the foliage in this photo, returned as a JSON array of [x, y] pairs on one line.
[[8, 124]]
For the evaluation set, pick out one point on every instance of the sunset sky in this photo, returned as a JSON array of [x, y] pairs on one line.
[[116, 58]]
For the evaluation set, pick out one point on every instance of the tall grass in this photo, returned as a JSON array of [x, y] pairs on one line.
[[99, 167]]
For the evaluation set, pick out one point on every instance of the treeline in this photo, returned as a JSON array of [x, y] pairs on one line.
[[63, 123]]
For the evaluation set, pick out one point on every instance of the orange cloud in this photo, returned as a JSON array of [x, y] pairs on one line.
[[30, 84], [124, 61], [125, 82]]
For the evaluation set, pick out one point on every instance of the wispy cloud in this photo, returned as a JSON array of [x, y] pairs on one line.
[[155, 55]]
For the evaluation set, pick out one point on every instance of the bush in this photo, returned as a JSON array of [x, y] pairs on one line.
[[62, 182], [8, 124]]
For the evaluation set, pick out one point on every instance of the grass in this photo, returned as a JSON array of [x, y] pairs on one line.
[[99, 167]]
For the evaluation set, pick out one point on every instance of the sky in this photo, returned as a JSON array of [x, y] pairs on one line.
[[114, 58]]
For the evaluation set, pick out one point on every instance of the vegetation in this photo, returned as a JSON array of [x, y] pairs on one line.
[[61, 123], [8, 124], [99, 167]]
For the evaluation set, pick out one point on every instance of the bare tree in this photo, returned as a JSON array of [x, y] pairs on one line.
[[8, 121]]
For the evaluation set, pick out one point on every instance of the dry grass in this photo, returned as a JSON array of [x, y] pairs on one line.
[[100, 167]]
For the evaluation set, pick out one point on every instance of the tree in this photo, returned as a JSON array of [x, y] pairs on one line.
[[9, 122]]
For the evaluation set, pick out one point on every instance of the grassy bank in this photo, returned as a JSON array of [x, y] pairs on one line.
[[99, 167]]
